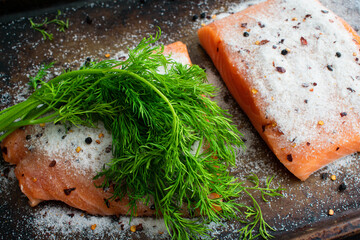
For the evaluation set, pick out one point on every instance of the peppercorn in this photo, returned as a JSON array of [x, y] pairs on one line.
[[88, 20], [280, 69], [246, 34], [68, 191], [343, 114], [338, 54], [88, 140], [261, 25], [52, 163], [78, 149], [203, 15], [324, 176], [303, 41], [284, 52], [139, 227], [133, 228], [195, 17], [87, 61], [108, 149], [342, 187]]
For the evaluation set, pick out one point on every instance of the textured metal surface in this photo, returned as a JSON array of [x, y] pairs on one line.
[[116, 25]]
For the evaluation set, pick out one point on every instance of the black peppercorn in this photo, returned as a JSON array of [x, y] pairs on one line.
[[52, 163], [88, 140], [88, 20], [68, 191], [195, 17], [246, 34], [87, 61], [324, 176], [342, 187], [108, 149], [203, 15], [338, 54], [284, 52]]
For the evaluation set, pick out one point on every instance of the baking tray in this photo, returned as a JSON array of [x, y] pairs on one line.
[[110, 27]]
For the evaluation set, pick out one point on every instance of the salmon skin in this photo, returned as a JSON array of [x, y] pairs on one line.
[[53, 163], [293, 68]]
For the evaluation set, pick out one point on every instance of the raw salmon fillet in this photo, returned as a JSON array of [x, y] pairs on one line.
[[55, 164], [293, 67]]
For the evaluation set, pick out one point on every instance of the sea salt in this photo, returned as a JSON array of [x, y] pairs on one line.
[[329, 90]]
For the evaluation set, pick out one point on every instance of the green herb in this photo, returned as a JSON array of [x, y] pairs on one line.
[[171, 142], [34, 82], [42, 27]]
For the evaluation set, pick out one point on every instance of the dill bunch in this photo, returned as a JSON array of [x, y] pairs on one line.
[[171, 143]]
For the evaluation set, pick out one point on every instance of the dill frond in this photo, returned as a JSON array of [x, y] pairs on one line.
[[155, 119]]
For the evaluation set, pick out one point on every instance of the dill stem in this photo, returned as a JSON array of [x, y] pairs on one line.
[[8, 116], [258, 188]]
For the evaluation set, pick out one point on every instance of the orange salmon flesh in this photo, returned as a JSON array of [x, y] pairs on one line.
[[293, 68]]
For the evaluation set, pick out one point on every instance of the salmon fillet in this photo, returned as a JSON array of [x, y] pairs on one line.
[[293, 67], [54, 163]]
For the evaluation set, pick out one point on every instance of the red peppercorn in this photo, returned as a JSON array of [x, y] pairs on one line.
[[280, 69], [303, 41]]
